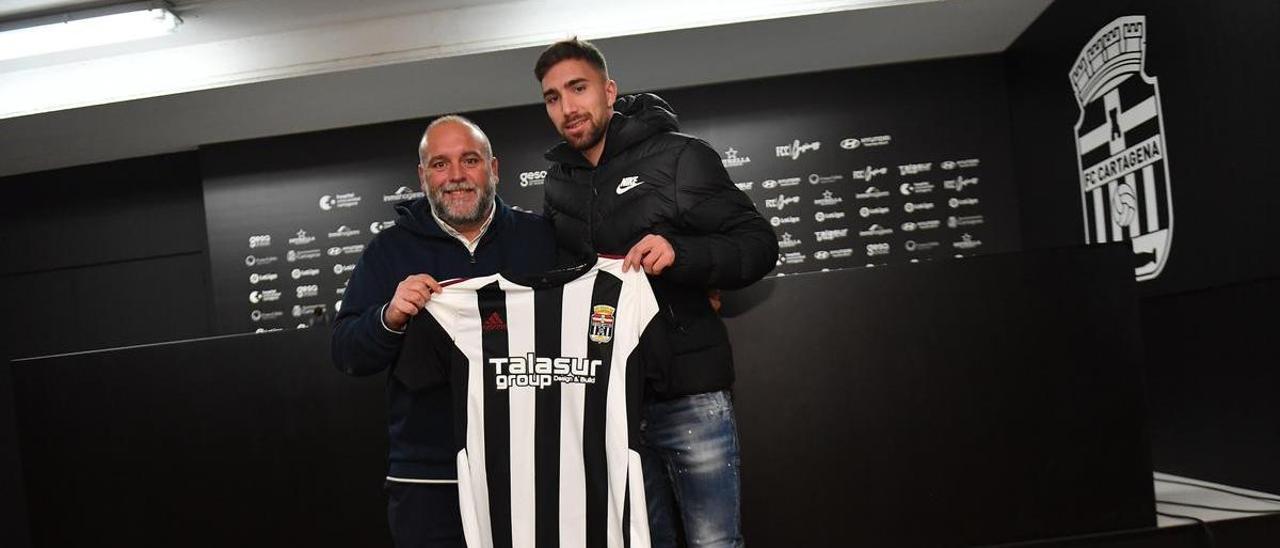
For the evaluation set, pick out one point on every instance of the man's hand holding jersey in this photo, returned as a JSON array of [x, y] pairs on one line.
[[653, 254], [411, 296]]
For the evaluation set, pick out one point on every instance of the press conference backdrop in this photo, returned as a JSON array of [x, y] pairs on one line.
[[853, 168]]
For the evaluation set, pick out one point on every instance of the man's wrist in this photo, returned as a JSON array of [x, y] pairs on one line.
[[382, 319]]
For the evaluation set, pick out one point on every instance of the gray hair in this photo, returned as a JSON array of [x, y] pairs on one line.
[[485, 147]]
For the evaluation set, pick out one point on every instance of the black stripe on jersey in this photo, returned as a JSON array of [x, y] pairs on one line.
[[595, 463], [626, 510], [491, 300], [548, 331]]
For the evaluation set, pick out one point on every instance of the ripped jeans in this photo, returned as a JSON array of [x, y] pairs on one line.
[[690, 459]]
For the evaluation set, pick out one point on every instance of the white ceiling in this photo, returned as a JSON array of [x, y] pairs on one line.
[[240, 69]]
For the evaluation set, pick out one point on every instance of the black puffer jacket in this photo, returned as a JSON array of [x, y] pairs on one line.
[[651, 180]]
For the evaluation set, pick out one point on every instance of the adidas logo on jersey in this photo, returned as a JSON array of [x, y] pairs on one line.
[[494, 323], [530, 370]]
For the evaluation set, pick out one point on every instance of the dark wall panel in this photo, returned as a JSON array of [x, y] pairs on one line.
[[124, 210], [1213, 379], [14, 531], [969, 402], [82, 308], [252, 440]]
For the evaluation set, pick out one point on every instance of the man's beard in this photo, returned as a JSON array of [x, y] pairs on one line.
[[589, 139], [469, 216]]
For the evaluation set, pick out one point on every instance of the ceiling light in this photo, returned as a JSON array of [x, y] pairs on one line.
[[82, 29]]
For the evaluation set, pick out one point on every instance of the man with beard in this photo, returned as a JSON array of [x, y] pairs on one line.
[[624, 182], [460, 229]]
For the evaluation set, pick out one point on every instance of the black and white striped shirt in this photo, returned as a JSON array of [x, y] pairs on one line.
[[547, 376]]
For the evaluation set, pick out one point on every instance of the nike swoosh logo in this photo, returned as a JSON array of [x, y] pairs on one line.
[[628, 185]]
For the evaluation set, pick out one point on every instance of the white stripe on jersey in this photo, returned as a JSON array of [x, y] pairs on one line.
[[573, 405], [522, 413]]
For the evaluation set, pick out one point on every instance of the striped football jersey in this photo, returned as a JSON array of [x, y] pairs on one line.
[[547, 374]]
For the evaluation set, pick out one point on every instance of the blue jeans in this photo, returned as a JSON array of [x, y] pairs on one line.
[[690, 459]]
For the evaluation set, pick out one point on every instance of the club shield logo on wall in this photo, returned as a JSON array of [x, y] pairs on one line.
[[1120, 146]]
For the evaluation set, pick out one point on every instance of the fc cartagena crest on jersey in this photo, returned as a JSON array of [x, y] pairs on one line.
[[1120, 146], [601, 330]]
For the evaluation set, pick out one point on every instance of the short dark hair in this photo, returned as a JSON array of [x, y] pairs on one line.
[[565, 50]]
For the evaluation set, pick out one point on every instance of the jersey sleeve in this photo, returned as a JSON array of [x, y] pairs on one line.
[[425, 354]]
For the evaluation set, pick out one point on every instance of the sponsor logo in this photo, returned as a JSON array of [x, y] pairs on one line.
[[850, 143], [401, 194], [871, 193], [828, 199], [877, 249], [824, 216], [912, 226], [966, 242], [779, 221], [915, 169], [344, 231], [264, 277], [787, 242], [261, 240], [781, 202], [770, 184], [796, 148], [745, 186], [260, 316], [1121, 151], [264, 296], [876, 140], [961, 164], [815, 179], [961, 202], [301, 310], [344, 250], [264, 330], [378, 226], [831, 235], [329, 202], [959, 183], [970, 220], [301, 238], [302, 255], [876, 230], [601, 327], [628, 183], [533, 178], [913, 246], [914, 207], [494, 322], [869, 211], [868, 173], [343, 268], [842, 253], [923, 187], [304, 273], [792, 257], [304, 291], [731, 159], [530, 371], [254, 260]]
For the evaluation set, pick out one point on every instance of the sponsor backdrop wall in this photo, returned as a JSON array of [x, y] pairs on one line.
[[1137, 117], [853, 168]]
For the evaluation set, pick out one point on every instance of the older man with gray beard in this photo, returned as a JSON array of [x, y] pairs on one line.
[[460, 229]]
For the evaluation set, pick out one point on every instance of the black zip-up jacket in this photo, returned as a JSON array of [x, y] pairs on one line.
[[652, 180], [420, 425]]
